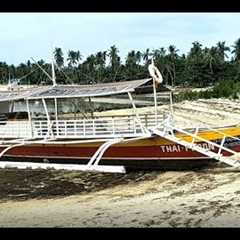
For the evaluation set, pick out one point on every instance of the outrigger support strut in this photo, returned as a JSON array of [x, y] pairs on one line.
[[10, 147], [168, 133], [91, 166], [101, 150]]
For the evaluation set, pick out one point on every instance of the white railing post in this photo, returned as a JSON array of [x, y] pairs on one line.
[[113, 126], [84, 127], [146, 120], [65, 128], [93, 124], [134, 126], [75, 128], [41, 128]]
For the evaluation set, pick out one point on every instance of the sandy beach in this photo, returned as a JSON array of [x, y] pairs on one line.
[[201, 198]]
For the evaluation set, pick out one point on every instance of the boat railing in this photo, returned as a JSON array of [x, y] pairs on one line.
[[102, 127], [15, 129], [97, 127]]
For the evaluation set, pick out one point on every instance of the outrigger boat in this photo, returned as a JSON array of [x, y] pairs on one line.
[[105, 144]]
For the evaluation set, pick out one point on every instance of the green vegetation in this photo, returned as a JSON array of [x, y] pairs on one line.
[[222, 89], [200, 67]]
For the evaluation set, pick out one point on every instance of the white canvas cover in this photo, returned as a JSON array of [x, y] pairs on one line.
[[72, 91]]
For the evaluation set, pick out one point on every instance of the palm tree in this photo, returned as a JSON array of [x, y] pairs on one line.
[[58, 55], [78, 56], [196, 52], [73, 57], [194, 61], [236, 50], [114, 58], [91, 61], [222, 48], [90, 65], [101, 58], [104, 54], [172, 57], [162, 51], [146, 55], [210, 57], [138, 57], [115, 61], [158, 54], [173, 52], [131, 58], [132, 67], [4, 72], [29, 63]]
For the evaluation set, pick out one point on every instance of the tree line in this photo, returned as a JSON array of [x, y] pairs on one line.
[[200, 67]]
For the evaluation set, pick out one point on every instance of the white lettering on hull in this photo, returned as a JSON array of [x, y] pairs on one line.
[[179, 148]]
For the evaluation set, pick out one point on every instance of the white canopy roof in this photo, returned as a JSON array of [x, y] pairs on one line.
[[72, 91]]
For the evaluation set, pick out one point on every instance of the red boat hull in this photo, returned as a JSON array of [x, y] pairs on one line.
[[151, 152]]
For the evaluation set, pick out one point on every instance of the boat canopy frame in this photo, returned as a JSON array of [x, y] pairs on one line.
[[55, 92], [73, 91]]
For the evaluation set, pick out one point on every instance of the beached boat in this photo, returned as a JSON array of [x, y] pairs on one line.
[[105, 143]]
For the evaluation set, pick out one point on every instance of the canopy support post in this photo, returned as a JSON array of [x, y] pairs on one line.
[[48, 117], [171, 103], [11, 107], [29, 117], [90, 104], [136, 112], [56, 114], [155, 101], [56, 109], [46, 110]]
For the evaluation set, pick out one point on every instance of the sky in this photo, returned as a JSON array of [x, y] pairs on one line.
[[26, 35]]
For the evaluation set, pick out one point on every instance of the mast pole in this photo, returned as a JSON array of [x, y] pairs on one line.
[[53, 73]]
